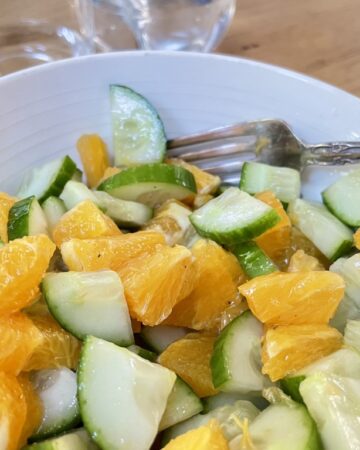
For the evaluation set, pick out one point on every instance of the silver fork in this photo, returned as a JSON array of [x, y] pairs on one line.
[[223, 150]]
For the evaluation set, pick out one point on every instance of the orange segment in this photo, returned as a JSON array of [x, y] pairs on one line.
[[205, 182], [219, 274], [94, 157], [57, 348], [276, 240], [207, 437], [155, 283], [109, 172], [6, 203], [190, 359], [294, 298], [136, 326], [12, 411], [357, 239], [34, 408], [109, 253], [19, 337], [23, 263], [302, 262], [287, 349], [300, 242], [84, 221]]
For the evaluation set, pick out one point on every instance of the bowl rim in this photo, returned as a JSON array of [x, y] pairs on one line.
[[138, 54]]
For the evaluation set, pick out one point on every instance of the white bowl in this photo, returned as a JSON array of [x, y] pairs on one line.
[[45, 109]]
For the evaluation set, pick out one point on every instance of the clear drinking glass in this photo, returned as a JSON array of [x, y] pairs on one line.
[[197, 25], [37, 31]]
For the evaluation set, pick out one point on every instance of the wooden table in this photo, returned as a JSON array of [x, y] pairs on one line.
[[316, 37]]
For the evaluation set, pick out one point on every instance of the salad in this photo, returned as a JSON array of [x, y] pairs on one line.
[[144, 305]]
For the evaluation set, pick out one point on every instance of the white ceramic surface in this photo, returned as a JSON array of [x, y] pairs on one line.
[[44, 110]]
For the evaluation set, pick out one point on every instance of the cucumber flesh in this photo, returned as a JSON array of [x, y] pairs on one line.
[[182, 404], [333, 402], [57, 390], [75, 440], [324, 230], [123, 212], [236, 362], [233, 217], [352, 334], [47, 180], [89, 303], [122, 396], [26, 218], [54, 208], [227, 398], [343, 198], [282, 426], [349, 307], [253, 260], [343, 362], [138, 133], [158, 338], [146, 354], [225, 415], [284, 182], [151, 184], [75, 192]]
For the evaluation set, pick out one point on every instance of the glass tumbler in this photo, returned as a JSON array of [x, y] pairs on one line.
[[196, 25], [37, 31]]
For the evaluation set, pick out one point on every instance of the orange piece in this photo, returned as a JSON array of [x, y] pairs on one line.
[[287, 349], [110, 252], [84, 221], [302, 262], [23, 263], [19, 337], [12, 412], [275, 241], [136, 326], [34, 408], [206, 437], [206, 183], [219, 274], [294, 298], [300, 242], [357, 239], [190, 359], [94, 157], [6, 203], [57, 348], [109, 172], [155, 283]]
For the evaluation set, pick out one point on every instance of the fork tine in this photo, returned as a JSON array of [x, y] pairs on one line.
[[231, 178], [221, 166]]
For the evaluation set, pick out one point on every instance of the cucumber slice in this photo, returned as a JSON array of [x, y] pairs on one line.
[[146, 354], [352, 334], [333, 402], [122, 396], [89, 303], [233, 217], [343, 362], [138, 133], [75, 192], [253, 260], [47, 180], [324, 230], [236, 362], [158, 338], [125, 213], [151, 184], [75, 440], [228, 417], [182, 404], [26, 218], [54, 209], [282, 426], [284, 182], [77, 175], [343, 198], [228, 398], [57, 390]]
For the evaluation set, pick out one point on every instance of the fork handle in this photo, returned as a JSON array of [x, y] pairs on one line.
[[331, 153]]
